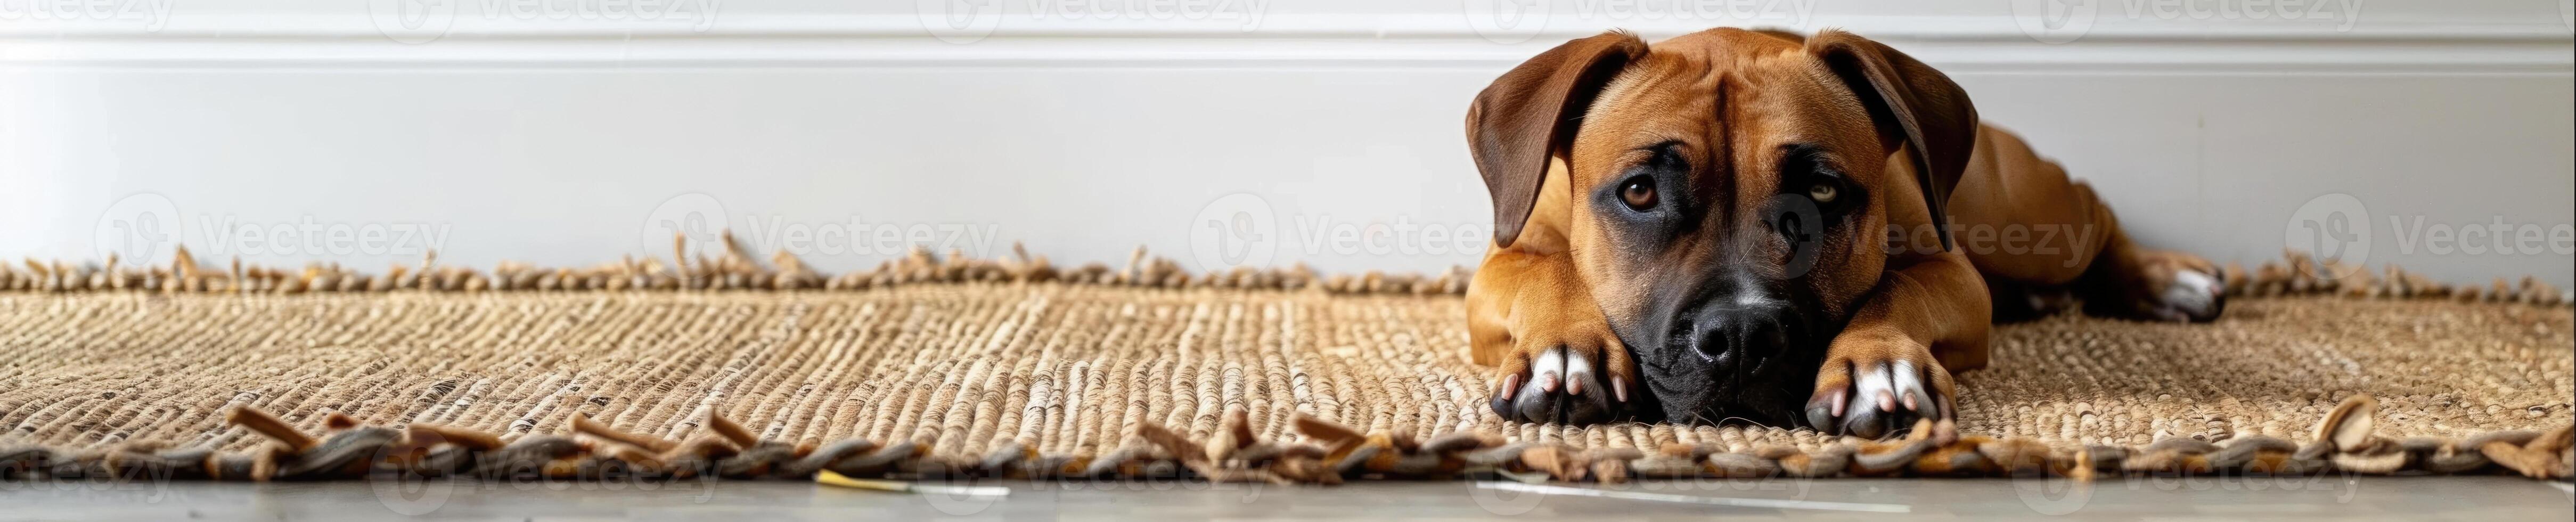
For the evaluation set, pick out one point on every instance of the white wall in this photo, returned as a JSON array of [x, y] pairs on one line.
[[564, 139]]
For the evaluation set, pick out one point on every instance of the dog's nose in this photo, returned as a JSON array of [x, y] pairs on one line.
[[1727, 335]]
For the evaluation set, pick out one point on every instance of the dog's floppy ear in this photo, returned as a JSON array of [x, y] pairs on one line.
[[1911, 100], [1530, 114]]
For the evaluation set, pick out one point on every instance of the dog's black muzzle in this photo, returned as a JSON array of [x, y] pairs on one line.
[[1733, 358]]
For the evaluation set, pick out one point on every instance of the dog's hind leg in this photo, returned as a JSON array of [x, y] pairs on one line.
[[2016, 301], [2021, 220]]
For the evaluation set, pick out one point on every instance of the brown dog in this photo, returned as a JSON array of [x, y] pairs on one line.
[[1744, 223]]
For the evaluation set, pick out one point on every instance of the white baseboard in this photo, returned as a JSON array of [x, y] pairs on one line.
[[1982, 43]]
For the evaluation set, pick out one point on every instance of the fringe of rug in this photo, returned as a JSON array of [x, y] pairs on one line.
[[1329, 454], [2296, 273], [734, 269]]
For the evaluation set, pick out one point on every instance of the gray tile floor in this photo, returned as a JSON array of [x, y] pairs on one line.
[[2481, 499]]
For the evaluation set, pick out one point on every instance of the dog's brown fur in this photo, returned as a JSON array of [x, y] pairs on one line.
[[1569, 272]]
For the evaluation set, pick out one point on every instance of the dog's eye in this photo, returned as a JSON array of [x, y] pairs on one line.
[[1823, 192], [1805, 169], [1638, 192]]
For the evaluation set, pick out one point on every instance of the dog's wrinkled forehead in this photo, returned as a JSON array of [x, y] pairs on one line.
[[1753, 89], [1714, 51]]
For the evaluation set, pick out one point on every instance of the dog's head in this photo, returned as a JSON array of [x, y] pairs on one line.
[[1732, 194]]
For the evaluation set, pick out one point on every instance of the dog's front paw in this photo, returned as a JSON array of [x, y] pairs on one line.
[[1582, 378], [2161, 285], [1871, 387]]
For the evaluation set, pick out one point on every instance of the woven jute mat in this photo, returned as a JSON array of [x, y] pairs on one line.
[[1066, 377]]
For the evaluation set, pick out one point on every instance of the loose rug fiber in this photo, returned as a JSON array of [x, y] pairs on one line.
[[1069, 377]]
